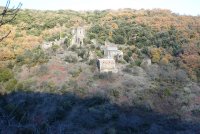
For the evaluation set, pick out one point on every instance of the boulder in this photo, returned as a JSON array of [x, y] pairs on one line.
[[146, 63]]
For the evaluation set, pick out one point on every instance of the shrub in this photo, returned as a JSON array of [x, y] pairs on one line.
[[52, 37], [196, 112], [155, 55], [32, 57], [73, 84], [126, 58], [19, 86], [42, 70], [121, 61], [5, 74], [57, 115], [11, 85], [76, 72], [164, 61], [10, 65], [17, 34], [115, 93], [33, 31], [145, 51], [138, 62], [95, 101], [28, 84], [181, 76], [127, 69], [16, 111], [67, 42], [99, 53], [6, 54], [110, 131], [92, 62], [83, 53], [118, 39], [54, 48], [73, 48], [167, 92], [67, 104], [19, 58], [71, 58], [129, 53], [198, 74], [106, 76], [80, 91], [92, 46]]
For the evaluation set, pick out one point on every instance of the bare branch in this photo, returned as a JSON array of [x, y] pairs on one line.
[[8, 15], [6, 35]]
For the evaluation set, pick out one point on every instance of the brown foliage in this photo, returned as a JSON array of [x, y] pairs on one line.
[[8, 15]]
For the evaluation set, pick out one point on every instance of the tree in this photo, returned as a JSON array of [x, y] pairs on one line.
[[155, 54], [119, 39], [8, 15]]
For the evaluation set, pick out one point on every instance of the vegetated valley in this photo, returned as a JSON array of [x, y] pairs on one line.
[[60, 90]]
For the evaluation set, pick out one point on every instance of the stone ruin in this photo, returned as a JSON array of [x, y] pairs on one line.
[[106, 65], [78, 34], [111, 53], [47, 45]]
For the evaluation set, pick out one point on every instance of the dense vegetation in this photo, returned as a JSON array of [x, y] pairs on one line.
[[59, 89], [176, 40]]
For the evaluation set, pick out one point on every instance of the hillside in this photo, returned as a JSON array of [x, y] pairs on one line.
[[59, 89], [178, 36]]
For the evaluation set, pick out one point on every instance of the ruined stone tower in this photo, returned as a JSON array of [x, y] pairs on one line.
[[78, 35]]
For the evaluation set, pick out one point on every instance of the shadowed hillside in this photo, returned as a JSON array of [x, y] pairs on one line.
[[32, 112]]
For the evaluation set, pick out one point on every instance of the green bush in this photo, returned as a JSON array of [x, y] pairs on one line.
[[17, 34], [19, 86], [118, 39], [11, 85], [145, 50], [126, 58], [67, 42], [54, 47], [71, 58], [83, 53], [167, 92], [52, 37], [10, 65], [138, 62], [115, 93], [92, 62], [92, 46], [99, 53], [5, 74], [34, 32], [19, 58], [73, 48], [32, 57], [106, 75], [129, 53], [76, 72]]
